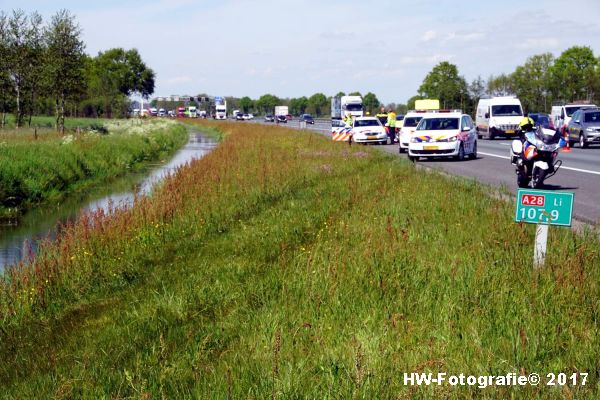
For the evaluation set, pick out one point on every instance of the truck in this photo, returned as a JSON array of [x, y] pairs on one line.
[[342, 105], [281, 114], [191, 111], [498, 116], [281, 110], [221, 110], [235, 114]]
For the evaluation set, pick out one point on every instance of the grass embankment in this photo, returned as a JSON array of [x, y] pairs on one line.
[[47, 122], [49, 167], [283, 265]]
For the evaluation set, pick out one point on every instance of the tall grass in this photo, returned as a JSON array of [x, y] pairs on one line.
[[45, 169], [286, 266]]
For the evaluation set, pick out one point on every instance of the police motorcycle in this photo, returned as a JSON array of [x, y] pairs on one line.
[[534, 156]]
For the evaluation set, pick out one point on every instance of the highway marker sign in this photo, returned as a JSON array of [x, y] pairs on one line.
[[543, 207]]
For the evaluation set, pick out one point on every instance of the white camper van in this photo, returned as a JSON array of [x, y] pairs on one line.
[[498, 116]]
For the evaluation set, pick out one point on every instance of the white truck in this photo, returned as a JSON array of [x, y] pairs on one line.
[[341, 106], [281, 110], [498, 116], [221, 110]]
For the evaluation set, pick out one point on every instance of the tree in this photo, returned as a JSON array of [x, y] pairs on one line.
[[371, 103], [266, 103], [65, 62], [317, 104], [531, 81], [340, 94], [298, 105], [573, 74], [20, 37], [444, 83], [401, 109], [476, 90], [246, 104], [501, 85], [5, 85], [116, 74], [355, 94], [141, 78]]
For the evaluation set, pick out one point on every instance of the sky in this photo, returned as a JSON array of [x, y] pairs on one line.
[[297, 48]]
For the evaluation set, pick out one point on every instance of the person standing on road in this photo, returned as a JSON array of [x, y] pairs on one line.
[[382, 116], [391, 123], [348, 119]]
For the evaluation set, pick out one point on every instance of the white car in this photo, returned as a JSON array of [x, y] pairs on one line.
[[444, 134], [247, 117], [411, 120], [368, 130]]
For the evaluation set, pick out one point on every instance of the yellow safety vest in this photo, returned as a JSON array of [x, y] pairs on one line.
[[392, 119]]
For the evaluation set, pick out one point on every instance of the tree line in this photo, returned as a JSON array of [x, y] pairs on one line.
[[540, 82], [44, 70]]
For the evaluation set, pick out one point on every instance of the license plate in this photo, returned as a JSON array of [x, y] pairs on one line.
[[371, 137], [430, 147], [510, 131]]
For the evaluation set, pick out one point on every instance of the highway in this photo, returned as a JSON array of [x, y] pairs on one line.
[[580, 172]]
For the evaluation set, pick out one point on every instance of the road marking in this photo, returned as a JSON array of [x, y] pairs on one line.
[[587, 171], [504, 144], [494, 155]]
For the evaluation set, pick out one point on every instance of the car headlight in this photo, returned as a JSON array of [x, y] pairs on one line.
[[590, 130], [413, 140]]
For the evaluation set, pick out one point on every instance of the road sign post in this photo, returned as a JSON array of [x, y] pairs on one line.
[[544, 208]]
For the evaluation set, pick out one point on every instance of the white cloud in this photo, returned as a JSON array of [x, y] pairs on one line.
[[429, 35], [539, 43]]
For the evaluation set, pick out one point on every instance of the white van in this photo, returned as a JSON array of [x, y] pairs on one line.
[[561, 115], [498, 116]]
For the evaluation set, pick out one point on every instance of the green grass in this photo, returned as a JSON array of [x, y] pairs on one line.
[[50, 122], [46, 169], [286, 266]]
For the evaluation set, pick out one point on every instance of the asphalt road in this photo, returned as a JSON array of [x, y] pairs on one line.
[[580, 172]]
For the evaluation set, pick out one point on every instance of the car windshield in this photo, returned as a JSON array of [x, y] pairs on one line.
[[438, 124], [506, 110], [353, 107], [365, 122], [571, 110], [411, 122], [592, 117]]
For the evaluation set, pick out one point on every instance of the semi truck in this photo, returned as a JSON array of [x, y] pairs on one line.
[[342, 105], [191, 111], [221, 110]]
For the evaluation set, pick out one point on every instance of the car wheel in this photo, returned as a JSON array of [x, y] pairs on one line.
[[461, 153], [401, 150], [582, 142], [479, 135], [412, 158], [491, 136]]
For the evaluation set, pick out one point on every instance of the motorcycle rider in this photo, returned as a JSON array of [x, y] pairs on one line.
[[526, 124]]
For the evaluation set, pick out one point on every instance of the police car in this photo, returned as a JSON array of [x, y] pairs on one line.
[[368, 130], [411, 120], [444, 134]]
